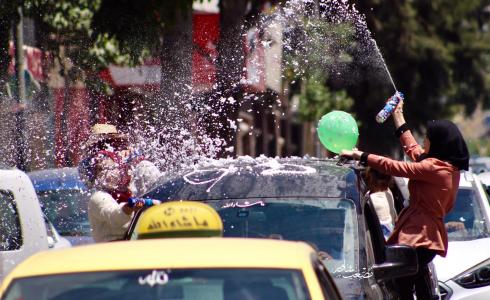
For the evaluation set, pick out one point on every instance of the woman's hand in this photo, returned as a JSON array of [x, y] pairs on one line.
[[127, 209], [398, 115], [354, 154]]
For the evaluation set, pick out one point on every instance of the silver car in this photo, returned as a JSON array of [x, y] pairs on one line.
[[465, 272]]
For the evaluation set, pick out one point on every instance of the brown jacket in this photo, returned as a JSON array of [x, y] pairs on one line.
[[433, 185]]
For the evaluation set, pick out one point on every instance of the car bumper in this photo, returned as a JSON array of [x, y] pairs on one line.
[[451, 290]]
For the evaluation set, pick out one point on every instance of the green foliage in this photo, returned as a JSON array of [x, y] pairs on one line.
[[316, 53], [68, 23], [318, 47], [107, 51], [137, 26], [318, 99], [437, 52], [94, 33], [479, 147], [69, 17]]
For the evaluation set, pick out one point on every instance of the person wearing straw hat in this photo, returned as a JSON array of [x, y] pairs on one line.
[[103, 137], [107, 170]]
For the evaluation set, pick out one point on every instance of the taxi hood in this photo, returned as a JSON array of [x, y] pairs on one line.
[[460, 257]]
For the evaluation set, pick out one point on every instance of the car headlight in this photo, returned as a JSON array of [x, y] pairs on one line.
[[477, 276]]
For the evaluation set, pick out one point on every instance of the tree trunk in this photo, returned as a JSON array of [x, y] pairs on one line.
[[176, 63], [63, 158], [230, 64], [172, 115], [21, 90]]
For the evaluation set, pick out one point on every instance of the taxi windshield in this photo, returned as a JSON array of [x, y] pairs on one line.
[[329, 225], [466, 220], [182, 284]]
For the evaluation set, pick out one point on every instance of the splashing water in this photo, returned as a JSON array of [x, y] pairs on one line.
[[325, 36], [328, 37], [384, 64]]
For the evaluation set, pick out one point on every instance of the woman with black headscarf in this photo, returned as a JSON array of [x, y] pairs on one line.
[[433, 183]]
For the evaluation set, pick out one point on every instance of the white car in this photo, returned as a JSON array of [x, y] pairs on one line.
[[485, 180], [479, 164], [465, 272], [23, 228]]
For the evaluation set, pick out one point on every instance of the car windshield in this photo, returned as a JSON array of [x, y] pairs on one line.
[[329, 225], [466, 220], [67, 210], [212, 284]]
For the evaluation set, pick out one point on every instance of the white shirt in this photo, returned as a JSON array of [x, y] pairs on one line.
[[107, 219], [384, 205]]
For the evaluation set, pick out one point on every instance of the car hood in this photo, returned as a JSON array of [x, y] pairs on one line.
[[460, 257]]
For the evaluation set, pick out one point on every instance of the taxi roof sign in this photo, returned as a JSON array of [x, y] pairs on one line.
[[179, 219]]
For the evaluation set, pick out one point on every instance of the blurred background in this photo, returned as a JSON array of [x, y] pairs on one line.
[[157, 67]]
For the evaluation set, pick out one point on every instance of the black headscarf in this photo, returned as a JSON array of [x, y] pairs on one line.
[[447, 143]]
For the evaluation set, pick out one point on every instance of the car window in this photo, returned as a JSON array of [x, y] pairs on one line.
[[329, 225], [10, 230], [67, 210], [182, 284], [466, 220]]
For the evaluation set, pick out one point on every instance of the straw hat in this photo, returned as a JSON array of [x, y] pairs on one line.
[[102, 128], [101, 132]]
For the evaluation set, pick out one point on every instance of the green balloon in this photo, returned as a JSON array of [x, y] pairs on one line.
[[338, 131]]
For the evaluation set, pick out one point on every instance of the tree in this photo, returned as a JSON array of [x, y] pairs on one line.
[[316, 52], [235, 17], [229, 66], [153, 28], [317, 99], [436, 53], [63, 29]]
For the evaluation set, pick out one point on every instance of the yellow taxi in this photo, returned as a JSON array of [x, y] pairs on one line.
[[178, 219], [175, 268]]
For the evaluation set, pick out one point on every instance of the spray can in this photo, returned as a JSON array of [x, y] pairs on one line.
[[140, 202], [389, 107]]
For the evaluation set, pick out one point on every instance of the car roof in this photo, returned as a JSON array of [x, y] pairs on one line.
[[169, 253], [262, 177], [56, 179]]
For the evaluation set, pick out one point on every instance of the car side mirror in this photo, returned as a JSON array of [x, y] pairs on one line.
[[401, 260]]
